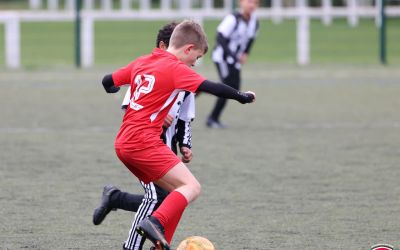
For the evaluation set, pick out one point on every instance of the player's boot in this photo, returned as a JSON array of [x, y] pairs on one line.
[[152, 229], [105, 207], [212, 123]]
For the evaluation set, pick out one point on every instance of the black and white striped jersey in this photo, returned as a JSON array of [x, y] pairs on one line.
[[180, 130], [234, 37]]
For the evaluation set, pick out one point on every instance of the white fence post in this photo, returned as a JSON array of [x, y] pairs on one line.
[[184, 5], [126, 5], [144, 5], [228, 5], [52, 4], [106, 5], [165, 5], [276, 11], [378, 18], [12, 42], [208, 5], [87, 42], [303, 33], [70, 4], [327, 10], [352, 15], [88, 4], [35, 4]]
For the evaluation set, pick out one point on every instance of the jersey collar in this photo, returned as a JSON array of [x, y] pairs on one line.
[[163, 53]]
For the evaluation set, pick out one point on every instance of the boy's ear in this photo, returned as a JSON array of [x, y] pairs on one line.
[[188, 47], [162, 45]]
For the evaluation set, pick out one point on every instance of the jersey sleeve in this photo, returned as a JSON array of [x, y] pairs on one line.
[[122, 76], [187, 79], [254, 26], [127, 98], [188, 108], [227, 25]]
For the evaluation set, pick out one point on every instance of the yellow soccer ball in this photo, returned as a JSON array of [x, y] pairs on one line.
[[195, 243]]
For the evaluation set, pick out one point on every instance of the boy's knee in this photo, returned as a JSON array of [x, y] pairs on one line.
[[196, 189]]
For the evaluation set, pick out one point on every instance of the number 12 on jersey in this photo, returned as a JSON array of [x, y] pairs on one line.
[[144, 85]]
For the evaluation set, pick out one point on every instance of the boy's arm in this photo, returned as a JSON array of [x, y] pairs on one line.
[[184, 128], [252, 38], [222, 90], [223, 41], [127, 99], [184, 133], [184, 138], [108, 84], [249, 45]]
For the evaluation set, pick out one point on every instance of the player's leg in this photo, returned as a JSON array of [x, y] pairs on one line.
[[230, 76], [184, 189], [148, 165], [112, 199], [153, 197]]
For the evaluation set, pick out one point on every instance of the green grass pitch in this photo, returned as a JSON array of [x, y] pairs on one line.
[[313, 164]]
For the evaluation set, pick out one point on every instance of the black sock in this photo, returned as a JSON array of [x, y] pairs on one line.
[[125, 201]]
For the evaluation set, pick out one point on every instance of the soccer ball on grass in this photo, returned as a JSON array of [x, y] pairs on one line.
[[195, 243]]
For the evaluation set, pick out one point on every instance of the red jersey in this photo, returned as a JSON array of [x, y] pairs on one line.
[[155, 81]]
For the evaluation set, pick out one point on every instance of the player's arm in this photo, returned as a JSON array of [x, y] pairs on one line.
[[225, 91], [244, 56], [249, 46], [184, 138], [127, 99], [108, 84], [184, 133], [224, 33], [184, 128], [250, 43], [224, 42]]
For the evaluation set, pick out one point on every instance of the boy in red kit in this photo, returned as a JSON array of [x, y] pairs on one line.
[[155, 80]]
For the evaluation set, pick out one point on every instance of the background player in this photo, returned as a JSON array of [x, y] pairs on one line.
[[235, 37]]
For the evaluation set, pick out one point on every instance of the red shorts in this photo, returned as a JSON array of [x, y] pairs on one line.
[[149, 164]]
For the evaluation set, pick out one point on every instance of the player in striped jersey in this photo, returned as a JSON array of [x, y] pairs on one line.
[[235, 37]]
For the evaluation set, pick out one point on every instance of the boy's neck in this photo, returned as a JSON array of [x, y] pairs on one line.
[[175, 52], [172, 51], [246, 16]]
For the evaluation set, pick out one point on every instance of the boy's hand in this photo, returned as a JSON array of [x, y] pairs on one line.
[[247, 97], [186, 154], [108, 84], [251, 93], [168, 121], [243, 58]]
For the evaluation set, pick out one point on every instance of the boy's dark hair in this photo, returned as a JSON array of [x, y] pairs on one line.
[[164, 34]]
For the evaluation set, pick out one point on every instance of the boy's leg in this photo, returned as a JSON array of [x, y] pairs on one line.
[[185, 189], [113, 199], [153, 197], [128, 202], [178, 180], [105, 205], [230, 76]]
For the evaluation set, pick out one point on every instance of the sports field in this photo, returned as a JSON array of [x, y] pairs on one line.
[[313, 164]]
